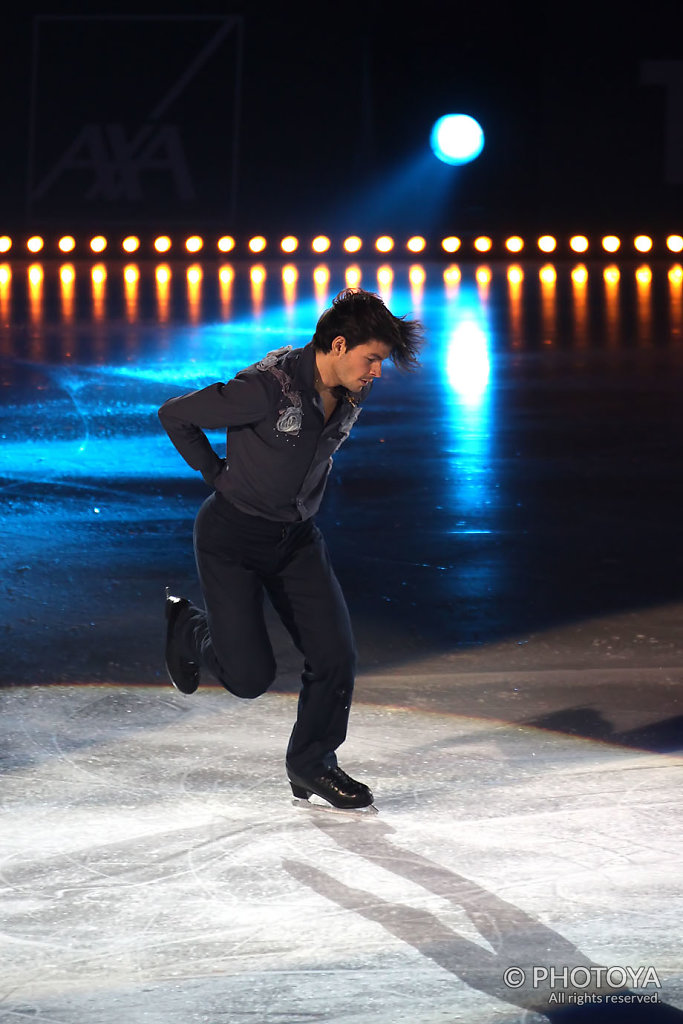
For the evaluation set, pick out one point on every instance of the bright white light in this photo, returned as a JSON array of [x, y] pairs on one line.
[[457, 139], [468, 366]]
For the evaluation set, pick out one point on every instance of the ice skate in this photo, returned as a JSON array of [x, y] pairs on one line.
[[335, 786], [183, 673]]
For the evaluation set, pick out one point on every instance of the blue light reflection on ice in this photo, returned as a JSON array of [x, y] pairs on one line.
[[99, 421], [466, 333], [468, 365]]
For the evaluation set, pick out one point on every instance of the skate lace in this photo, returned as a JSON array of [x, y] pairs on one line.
[[341, 779]]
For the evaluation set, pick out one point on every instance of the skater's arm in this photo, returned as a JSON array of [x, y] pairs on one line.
[[235, 404]]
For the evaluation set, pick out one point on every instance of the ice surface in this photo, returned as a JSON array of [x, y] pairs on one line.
[[154, 866], [506, 528]]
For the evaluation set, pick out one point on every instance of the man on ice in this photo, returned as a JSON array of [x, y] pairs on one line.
[[285, 417]]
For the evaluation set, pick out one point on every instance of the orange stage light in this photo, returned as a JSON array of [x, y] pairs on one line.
[[257, 243], [353, 244], [384, 244], [547, 243], [578, 243], [416, 244]]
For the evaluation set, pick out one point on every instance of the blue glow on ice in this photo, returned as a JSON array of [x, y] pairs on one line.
[[466, 335], [468, 365]]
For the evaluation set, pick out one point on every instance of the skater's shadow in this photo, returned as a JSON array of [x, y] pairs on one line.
[[662, 737], [517, 940]]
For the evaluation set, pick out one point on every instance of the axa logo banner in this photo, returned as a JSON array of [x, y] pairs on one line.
[[134, 118]]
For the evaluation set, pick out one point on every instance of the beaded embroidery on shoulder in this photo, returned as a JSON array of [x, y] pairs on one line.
[[291, 414]]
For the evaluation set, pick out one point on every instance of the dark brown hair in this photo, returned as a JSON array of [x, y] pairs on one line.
[[359, 316]]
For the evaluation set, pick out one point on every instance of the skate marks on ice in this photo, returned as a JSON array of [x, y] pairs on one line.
[[152, 864]]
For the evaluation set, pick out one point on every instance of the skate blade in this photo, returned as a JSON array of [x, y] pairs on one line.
[[318, 804]]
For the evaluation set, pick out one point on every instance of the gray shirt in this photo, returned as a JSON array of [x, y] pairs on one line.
[[279, 448]]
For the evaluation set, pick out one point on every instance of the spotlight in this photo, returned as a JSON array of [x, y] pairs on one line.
[[642, 243], [67, 243], [194, 243], [515, 275], [98, 243], [384, 244], [674, 243], [547, 243], [320, 244], [450, 244], [611, 243], [548, 274], [130, 244], [162, 243], [353, 243], [257, 243], [578, 243], [35, 243], [226, 243], [289, 244], [483, 243], [5, 243], [457, 139], [416, 244], [514, 244]]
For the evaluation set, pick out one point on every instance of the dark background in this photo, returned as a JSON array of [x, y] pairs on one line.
[[335, 103]]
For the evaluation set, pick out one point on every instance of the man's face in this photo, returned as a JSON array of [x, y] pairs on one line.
[[358, 366]]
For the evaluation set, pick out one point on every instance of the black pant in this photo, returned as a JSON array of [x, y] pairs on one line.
[[239, 557]]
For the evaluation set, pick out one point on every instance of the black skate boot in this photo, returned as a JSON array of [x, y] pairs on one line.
[[183, 673], [335, 786]]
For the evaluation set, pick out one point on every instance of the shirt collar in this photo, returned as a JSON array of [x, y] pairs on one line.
[[303, 375], [304, 378]]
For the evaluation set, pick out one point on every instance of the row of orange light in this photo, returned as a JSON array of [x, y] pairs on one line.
[[482, 244], [321, 276]]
